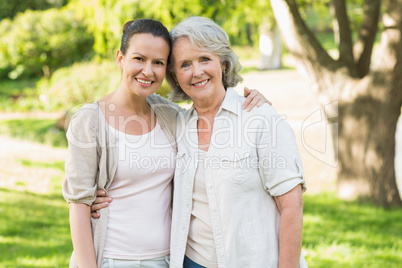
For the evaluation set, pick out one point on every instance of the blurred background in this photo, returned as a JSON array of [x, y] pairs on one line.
[[56, 55]]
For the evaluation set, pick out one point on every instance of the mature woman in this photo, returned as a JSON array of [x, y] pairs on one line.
[[239, 180]]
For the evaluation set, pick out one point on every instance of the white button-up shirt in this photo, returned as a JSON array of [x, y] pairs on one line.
[[252, 157]]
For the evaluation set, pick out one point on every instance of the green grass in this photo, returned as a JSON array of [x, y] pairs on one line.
[[34, 230], [37, 130], [348, 234], [59, 165], [55, 181]]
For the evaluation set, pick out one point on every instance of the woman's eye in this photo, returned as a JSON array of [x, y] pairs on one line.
[[138, 58], [184, 65], [205, 59], [159, 63]]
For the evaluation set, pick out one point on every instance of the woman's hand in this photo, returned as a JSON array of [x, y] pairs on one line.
[[253, 98], [100, 202]]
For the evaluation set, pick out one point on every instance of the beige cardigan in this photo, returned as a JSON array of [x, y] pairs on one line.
[[91, 162]]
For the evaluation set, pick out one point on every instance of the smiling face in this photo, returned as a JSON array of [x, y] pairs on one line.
[[144, 64], [199, 73]]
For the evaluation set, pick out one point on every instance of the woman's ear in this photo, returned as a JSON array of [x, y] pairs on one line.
[[223, 66], [119, 59]]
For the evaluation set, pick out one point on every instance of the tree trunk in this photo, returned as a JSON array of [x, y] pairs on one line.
[[366, 150], [369, 102], [270, 49]]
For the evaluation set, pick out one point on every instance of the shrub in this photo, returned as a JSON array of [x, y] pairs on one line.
[[80, 83], [8, 9], [39, 42]]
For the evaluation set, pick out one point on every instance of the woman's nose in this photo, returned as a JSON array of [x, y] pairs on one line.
[[197, 70], [147, 70]]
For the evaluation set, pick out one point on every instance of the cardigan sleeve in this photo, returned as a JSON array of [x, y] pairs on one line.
[[81, 165]]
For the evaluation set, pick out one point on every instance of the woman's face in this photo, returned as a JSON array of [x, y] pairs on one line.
[[144, 65], [199, 73]]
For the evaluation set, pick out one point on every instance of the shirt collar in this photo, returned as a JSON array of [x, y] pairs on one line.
[[232, 103]]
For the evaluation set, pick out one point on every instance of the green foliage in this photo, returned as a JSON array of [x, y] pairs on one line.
[[8, 9], [34, 229], [38, 42], [170, 12], [246, 52], [81, 83], [19, 96], [317, 15], [241, 19], [37, 130], [105, 20]]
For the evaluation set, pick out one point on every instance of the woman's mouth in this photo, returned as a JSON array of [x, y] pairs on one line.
[[145, 82], [200, 84]]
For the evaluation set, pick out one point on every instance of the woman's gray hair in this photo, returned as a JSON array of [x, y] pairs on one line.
[[204, 34]]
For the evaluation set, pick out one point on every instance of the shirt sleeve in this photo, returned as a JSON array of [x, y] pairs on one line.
[[280, 164], [82, 158]]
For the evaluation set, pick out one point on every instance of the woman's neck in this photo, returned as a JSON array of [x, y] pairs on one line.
[[130, 103], [209, 107], [128, 113]]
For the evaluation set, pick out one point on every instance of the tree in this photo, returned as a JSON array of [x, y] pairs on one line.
[[9, 9], [39, 42], [239, 18], [270, 47], [367, 85]]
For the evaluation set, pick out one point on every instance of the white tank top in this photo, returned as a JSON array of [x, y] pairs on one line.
[[140, 215]]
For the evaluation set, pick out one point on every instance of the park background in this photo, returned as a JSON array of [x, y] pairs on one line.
[[56, 55]]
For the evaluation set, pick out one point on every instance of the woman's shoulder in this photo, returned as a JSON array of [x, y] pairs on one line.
[[89, 109], [265, 110], [156, 98], [157, 101], [87, 115]]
